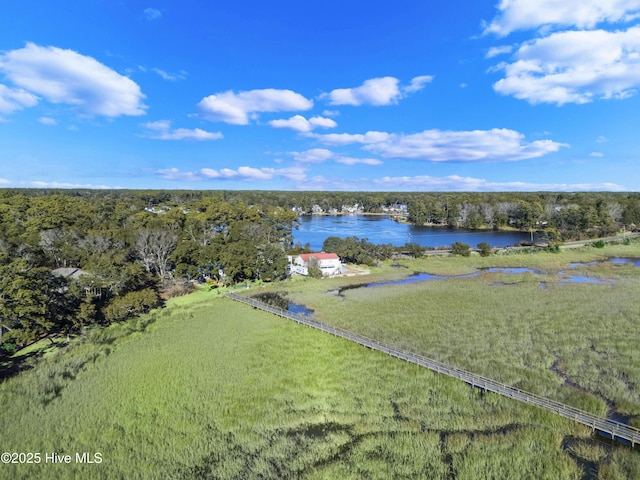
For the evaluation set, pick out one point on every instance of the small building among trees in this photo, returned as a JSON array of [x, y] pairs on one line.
[[318, 264]]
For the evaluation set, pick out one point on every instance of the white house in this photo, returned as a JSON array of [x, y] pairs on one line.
[[329, 263]]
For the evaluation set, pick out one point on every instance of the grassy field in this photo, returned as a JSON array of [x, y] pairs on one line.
[[208, 388], [576, 343]]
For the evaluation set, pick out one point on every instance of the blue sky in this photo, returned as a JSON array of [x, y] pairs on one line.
[[500, 95]]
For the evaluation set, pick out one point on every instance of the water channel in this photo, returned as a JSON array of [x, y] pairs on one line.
[[380, 229], [562, 276]]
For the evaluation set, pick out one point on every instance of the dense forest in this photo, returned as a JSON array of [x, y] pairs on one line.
[[72, 258]]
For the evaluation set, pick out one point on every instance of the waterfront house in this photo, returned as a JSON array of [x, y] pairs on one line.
[[328, 263]]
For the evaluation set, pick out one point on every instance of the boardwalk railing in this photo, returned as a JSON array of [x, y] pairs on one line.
[[616, 430]]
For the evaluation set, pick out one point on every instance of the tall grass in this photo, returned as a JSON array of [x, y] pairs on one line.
[[576, 343], [215, 389]]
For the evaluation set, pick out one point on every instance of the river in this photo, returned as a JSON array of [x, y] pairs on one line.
[[380, 229]]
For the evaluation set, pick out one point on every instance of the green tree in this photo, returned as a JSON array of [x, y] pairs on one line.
[[459, 248], [33, 301], [485, 249], [131, 304]]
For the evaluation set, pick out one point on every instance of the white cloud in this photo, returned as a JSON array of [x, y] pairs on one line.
[[601, 139], [152, 14], [376, 91], [320, 155], [65, 76], [301, 124], [350, 138], [4, 181], [458, 183], [358, 161], [47, 121], [445, 146], [235, 108], [315, 155], [12, 99], [596, 154], [161, 130], [244, 173], [417, 83], [331, 113], [468, 146], [574, 67], [526, 14], [172, 77], [495, 51]]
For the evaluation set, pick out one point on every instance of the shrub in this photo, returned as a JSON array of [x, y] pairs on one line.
[[460, 248], [485, 249], [414, 249]]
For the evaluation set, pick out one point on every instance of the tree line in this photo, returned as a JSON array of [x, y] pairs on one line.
[[72, 259], [133, 247]]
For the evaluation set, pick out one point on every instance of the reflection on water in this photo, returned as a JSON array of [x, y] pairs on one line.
[[380, 229], [562, 278], [582, 279], [583, 264], [298, 308], [625, 261], [513, 270], [615, 260]]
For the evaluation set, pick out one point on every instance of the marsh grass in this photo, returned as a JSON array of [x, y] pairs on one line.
[[209, 388], [575, 343]]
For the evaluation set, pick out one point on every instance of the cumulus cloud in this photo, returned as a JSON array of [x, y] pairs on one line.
[[301, 124], [320, 155], [65, 76], [459, 183], [15, 99], [358, 161], [315, 155], [574, 67], [467, 146], [495, 51], [161, 130], [244, 173], [152, 14], [446, 146], [376, 91], [525, 14], [235, 108], [351, 138]]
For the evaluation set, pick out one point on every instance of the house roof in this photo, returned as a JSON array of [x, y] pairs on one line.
[[69, 272], [319, 256]]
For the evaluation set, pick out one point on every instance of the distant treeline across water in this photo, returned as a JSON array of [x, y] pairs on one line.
[[380, 229]]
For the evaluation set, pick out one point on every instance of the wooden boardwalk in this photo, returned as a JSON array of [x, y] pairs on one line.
[[617, 431]]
